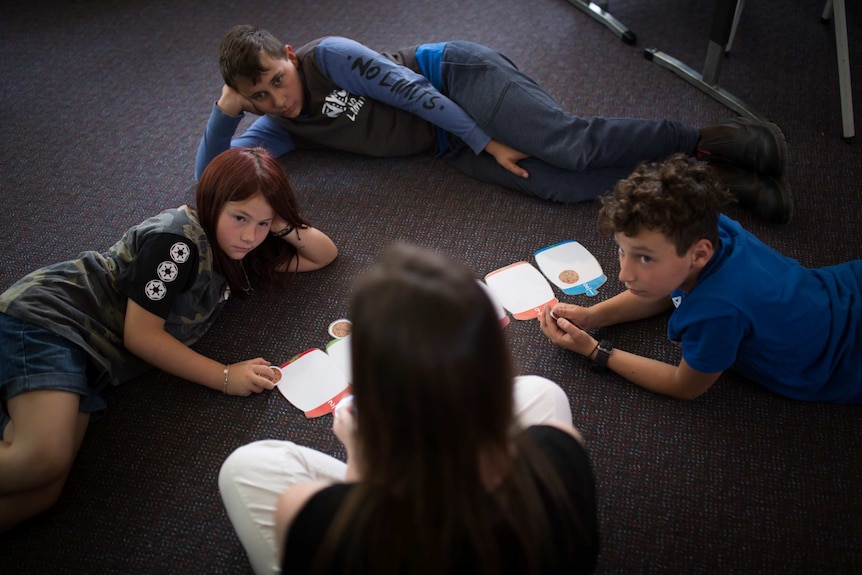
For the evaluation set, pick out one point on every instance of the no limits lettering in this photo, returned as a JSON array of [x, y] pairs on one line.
[[402, 87]]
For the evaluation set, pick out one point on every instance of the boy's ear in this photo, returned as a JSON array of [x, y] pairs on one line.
[[701, 252], [291, 55]]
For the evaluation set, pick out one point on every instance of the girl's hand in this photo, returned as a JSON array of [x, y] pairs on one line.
[[562, 332], [249, 376], [278, 224]]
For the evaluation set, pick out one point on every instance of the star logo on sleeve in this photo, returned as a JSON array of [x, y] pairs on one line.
[[180, 252], [167, 271], [155, 290]]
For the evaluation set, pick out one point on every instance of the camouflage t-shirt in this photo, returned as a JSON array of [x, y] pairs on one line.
[[165, 264]]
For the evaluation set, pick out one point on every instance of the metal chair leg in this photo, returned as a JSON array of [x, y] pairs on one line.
[[597, 10], [707, 81], [836, 7]]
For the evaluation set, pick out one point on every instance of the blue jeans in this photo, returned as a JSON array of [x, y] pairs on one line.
[[572, 159], [33, 359]]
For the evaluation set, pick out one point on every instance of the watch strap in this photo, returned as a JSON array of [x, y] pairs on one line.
[[603, 353]]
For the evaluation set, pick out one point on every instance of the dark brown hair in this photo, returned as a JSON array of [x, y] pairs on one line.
[[240, 50], [433, 392], [680, 197], [234, 176]]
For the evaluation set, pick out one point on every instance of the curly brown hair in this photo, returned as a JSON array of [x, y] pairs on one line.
[[680, 197]]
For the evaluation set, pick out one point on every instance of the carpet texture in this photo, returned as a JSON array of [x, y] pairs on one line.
[[103, 105]]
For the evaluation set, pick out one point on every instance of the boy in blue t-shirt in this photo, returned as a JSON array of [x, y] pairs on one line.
[[739, 303]]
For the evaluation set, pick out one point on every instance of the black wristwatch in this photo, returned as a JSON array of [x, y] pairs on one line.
[[603, 352]]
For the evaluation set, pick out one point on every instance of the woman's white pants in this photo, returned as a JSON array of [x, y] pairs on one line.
[[253, 477]]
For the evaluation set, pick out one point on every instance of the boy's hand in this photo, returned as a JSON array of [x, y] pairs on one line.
[[578, 315], [250, 376], [562, 330], [233, 103], [508, 157]]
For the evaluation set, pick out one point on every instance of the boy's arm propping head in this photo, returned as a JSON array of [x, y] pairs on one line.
[[233, 103]]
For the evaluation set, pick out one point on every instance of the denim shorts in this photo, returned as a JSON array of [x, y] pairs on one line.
[[33, 359]]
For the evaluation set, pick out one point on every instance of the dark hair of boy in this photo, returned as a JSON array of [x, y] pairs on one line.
[[680, 197], [240, 51]]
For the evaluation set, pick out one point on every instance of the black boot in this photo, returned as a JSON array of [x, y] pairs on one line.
[[749, 144], [767, 197]]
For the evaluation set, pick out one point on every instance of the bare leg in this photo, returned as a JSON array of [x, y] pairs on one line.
[[37, 452]]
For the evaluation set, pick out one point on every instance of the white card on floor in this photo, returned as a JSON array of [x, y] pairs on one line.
[[571, 267], [314, 382], [339, 351], [521, 289], [501, 313]]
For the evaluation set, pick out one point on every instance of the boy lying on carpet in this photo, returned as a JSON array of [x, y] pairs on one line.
[[739, 303], [475, 109]]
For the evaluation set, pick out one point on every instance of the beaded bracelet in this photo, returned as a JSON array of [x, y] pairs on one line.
[[226, 374], [283, 232]]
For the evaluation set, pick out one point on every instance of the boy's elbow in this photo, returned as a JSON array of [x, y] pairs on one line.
[[693, 389], [333, 255], [689, 394]]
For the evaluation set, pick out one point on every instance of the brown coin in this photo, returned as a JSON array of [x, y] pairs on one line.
[[276, 374], [341, 328], [569, 276]]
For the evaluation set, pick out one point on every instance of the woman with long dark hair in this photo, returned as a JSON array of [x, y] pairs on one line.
[[453, 464]]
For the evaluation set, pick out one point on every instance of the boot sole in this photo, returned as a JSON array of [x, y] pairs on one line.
[[780, 142], [786, 214]]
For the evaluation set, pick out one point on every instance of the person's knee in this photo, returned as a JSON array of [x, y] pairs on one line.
[[539, 400], [48, 496], [244, 459], [235, 463], [542, 387], [44, 464], [17, 508]]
